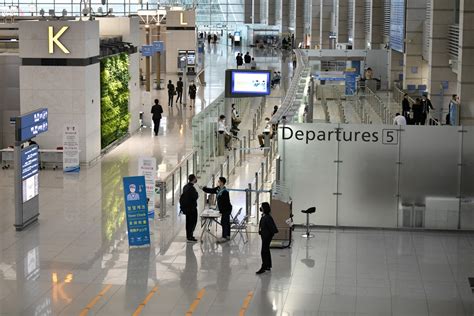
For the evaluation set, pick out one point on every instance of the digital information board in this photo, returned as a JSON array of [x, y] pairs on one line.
[[29, 172], [247, 83]]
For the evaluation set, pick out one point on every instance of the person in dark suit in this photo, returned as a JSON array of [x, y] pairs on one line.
[[427, 106], [156, 110], [188, 204], [267, 229], [179, 90], [192, 94], [406, 107], [223, 205], [171, 93], [417, 112]]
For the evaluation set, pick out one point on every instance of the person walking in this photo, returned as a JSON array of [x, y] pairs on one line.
[[247, 58], [406, 107], [223, 206], [192, 94], [209, 37], [171, 93], [239, 60], [417, 112], [266, 229], [156, 110], [275, 109], [188, 205], [427, 106], [179, 90], [295, 61]]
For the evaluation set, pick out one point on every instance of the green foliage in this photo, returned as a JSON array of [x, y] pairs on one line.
[[114, 95]]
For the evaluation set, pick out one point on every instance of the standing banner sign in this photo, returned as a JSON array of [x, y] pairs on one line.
[[351, 81], [147, 168], [71, 149], [136, 210]]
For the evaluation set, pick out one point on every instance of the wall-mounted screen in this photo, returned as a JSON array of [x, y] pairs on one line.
[[247, 83]]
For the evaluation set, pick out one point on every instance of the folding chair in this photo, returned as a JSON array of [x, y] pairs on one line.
[[235, 219], [241, 227]]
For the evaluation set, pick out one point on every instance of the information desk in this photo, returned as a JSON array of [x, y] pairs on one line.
[[48, 158], [208, 218]]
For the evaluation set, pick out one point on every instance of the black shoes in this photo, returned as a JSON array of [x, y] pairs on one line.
[[262, 270], [192, 239]]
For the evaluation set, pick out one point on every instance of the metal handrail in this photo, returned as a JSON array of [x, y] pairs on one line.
[[291, 93]]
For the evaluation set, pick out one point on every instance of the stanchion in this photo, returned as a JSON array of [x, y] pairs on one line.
[[172, 188], [221, 169], [245, 144], [228, 168], [254, 126], [213, 179], [247, 205], [187, 168], [235, 159], [277, 169], [241, 152], [257, 202], [263, 173], [249, 132], [180, 180], [162, 187]]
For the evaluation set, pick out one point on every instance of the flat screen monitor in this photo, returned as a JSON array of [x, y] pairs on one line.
[[247, 83]]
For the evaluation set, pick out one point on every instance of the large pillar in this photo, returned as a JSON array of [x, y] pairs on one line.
[[325, 22], [285, 16], [342, 15], [376, 24], [466, 62], [271, 12], [358, 41], [299, 21], [315, 23], [439, 70], [256, 11], [64, 77], [414, 64], [248, 11]]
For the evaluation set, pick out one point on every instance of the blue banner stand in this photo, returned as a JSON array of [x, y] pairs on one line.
[[136, 209]]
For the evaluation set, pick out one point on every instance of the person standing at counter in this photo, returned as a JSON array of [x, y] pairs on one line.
[[188, 205], [223, 206], [266, 229]]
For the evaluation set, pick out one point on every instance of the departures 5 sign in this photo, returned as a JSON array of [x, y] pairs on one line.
[[385, 136]]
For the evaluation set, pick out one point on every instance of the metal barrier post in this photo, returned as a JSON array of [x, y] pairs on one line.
[[241, 152], [172, 188], [213, 179], [263, 173], [228, 167], [247, 206], [249, 201], [254, 126], [195, 163], [162, 186], [266, 167], [250, 132], [256, 188], [235, 159], [180, 180], [245, 144], [277, 169], [187, 167]]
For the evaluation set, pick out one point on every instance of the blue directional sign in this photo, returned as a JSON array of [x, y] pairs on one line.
[[29, 162], [351, 82], [31, 124], [159, 46], [397, 25], [148, 50], [136, 209]]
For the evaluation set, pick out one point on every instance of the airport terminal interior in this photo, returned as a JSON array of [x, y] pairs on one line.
[[237, 157]]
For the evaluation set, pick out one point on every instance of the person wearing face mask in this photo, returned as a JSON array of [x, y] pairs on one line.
[[188, 204], [223, 206], [266, 131], [266, 229]]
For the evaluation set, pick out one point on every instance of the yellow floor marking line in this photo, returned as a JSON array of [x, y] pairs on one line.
[[140, 307], [196, 302], [94, 301], [246, 303]]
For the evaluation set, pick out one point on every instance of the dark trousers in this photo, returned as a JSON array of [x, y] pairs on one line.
[[170, 99], [191, 221], [156, 127], [225, 222], [179, 97], [265, 253]]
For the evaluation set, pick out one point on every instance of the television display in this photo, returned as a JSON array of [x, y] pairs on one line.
[[247, 83]]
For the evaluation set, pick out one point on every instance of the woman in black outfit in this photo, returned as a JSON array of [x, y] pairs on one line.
[[267, 229], [171, 93]]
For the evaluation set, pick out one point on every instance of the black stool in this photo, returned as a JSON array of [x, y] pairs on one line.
[[311, 210]]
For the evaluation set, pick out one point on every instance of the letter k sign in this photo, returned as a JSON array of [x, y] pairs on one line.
[[54, 39]]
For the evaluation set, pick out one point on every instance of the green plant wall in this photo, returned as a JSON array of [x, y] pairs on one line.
[[114, 95]]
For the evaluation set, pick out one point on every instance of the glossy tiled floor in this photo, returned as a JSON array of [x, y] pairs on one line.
[[76, 260]]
